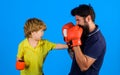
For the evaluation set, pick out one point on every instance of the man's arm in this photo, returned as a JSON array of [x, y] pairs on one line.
[[61, 46], [83, 61]]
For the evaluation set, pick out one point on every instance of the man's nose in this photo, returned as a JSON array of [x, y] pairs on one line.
[[77, 23]]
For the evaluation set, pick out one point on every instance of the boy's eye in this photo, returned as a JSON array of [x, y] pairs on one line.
[[41, 30]]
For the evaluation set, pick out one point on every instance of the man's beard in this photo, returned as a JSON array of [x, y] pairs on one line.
[[83, 38], [85, 32]]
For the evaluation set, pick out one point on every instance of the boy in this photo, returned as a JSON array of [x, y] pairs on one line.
[[33, 49]]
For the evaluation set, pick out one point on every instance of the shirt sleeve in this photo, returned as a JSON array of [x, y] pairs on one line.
[[20, 51], [49, 45]]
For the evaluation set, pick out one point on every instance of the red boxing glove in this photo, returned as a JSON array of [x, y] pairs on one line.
[[72, 33], [20, 65], [65, 29], [75, 34]]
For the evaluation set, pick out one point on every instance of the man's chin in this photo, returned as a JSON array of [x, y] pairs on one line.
[[81, 26]]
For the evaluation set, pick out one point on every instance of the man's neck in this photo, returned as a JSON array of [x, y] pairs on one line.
[[92, 27]]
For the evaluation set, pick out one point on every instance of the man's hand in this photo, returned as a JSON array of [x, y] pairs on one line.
[[65, 30], [74, 35]]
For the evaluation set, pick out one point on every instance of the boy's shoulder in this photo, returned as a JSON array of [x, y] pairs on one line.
[[45, 41], [23, 42]]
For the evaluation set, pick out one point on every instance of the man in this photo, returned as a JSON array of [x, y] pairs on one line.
[[89, 56]]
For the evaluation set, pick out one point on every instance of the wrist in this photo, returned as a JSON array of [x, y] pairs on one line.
[[76, 48], [76, 42]]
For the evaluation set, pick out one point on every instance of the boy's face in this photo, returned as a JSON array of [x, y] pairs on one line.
[[38, 34]]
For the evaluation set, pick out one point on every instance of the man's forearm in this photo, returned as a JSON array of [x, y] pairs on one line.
[[80, 58]]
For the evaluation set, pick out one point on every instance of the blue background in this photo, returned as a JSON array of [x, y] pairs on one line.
[[55, 13]]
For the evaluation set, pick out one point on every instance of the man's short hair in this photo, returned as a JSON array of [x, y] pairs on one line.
[[83, 11]]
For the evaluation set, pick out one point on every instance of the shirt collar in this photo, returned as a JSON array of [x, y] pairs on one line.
[[95, 31], [26, 43]]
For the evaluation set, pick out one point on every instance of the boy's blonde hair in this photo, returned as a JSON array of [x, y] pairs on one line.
[[33, 24]]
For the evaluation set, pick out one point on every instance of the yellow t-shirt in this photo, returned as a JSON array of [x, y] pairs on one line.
[[34, 57]]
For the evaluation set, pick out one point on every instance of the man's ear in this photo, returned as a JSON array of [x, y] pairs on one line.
[[88, 18]]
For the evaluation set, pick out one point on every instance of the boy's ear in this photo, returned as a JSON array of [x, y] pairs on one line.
[[32, 33]]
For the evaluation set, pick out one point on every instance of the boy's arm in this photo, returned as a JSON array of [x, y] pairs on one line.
[[61, 46], [20, 52]]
